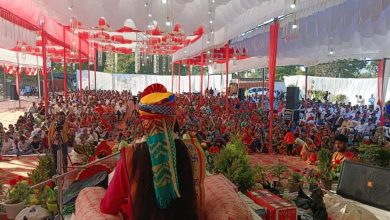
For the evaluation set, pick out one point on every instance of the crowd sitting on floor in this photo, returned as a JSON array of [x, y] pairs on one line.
[[95, 117], [86, 121], [320, 124]]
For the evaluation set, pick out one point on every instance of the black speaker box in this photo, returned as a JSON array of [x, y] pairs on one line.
[[14, 93], [241, 94], [365, 184], [8, 88], [292, 98], [291, 115], [41, 85]]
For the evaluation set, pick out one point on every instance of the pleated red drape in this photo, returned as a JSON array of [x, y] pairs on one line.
[[273, 49]]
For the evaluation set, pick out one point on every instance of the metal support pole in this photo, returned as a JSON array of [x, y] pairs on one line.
[[201, 77], [45, 80], [227, 79]]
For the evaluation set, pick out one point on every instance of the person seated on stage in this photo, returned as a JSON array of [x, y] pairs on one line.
[[153, 178], [340, 150]]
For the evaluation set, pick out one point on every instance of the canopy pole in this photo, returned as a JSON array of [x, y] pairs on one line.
[[39, 82], [306, 70], [4, 90], [94, 65], [381, 76], [189, 80], [179, 78], [17, 77], [173, 73], [201, 78], [80, 72], [273, 48], [65, 70], [262, 91], [227, 80], [89, 75], [45, 82]]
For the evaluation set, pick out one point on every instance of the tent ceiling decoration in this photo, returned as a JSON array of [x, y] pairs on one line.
[[356, 29]]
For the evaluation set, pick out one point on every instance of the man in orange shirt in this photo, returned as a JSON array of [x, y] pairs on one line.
[[289, 140]]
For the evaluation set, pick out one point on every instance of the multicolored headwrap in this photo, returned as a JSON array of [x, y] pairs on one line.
[[157, 109]]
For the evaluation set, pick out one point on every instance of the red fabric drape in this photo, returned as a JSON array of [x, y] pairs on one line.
[[81, 74], [273, 49], [381, 73]]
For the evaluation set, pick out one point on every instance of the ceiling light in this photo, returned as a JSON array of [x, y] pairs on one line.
[[331, 52], [146, 4], [207, 42], [168, 23], [211, 21], [210, 61], [294, 26], [212, 32], [70, 20], [209, 12], [76, 32], [150, 15], [185, 51], [72, 52], [164, 1], [74, 42], [213, 1], [292, 6], [208, 52], [70, 8]]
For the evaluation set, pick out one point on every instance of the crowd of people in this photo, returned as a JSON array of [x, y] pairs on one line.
[[318, 126], [94, 119], [69, 122]]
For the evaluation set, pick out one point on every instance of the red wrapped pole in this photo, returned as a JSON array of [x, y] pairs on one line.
[[189, 80], [381, 74], [89, 75], [273, 49], [173, 74], [65, 70], [45, 80], [94, 66], [201, 78], [80, 72], [227, 79], [179, 78]]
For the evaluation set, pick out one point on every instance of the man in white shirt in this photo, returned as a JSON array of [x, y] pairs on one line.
[[371, 101]]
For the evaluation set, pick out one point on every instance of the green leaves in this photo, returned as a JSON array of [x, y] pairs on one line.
[[234, 162]]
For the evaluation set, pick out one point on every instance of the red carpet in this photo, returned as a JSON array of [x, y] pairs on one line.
[[294, 163]]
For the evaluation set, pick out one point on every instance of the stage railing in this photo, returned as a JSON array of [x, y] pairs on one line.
[[75, 169]]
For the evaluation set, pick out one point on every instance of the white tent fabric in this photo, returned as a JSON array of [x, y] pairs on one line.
[[356, 29], [190, 14], [138, 82], [338, 86], [11, 57]]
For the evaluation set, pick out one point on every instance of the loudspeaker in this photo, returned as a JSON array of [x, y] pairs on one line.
[[8, 88], [292, 99], [241, 94], [366, 184], [13, 92], [41, 86]]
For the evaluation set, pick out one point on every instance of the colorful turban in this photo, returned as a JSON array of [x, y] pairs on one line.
[[157, 109]]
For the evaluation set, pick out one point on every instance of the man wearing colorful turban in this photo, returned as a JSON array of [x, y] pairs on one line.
[[155, 174]]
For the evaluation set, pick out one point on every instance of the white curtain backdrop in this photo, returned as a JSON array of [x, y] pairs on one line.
[[138, 82], [337, 86]]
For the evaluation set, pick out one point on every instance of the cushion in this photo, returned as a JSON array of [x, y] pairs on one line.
[[222, 201], [88, 205]]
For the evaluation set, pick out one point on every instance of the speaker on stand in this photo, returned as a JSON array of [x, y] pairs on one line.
[[292, 98], [13, 92]]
